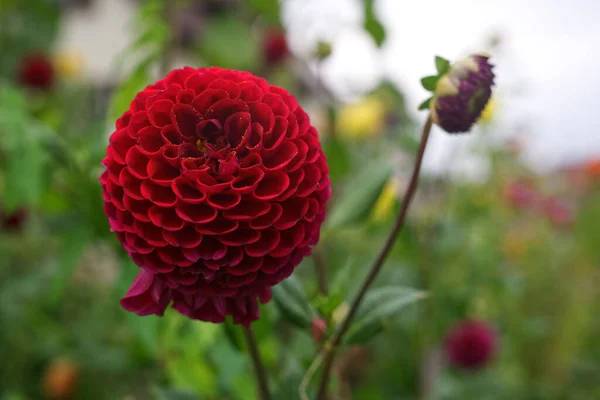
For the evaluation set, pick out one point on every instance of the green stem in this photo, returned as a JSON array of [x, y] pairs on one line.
[[259, 369], [336, 340]]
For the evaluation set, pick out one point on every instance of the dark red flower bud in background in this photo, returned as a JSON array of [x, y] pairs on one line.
[[471, 345], [319, 327], [13, 221], [36, 71], [462, 93], [275, 48], [216, 185]]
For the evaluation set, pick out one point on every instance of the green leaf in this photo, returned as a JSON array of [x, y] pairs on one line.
[[233, 334], [293, 304], [442, 65], [429, 82], [74, 244], [364, 191], [173, 394], [425, 105], [125, 94], [379, 305], [268, 9], [229, 43], [338, 158], [21, 137], [372, 24]]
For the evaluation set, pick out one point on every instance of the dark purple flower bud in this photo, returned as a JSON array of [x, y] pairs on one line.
[[471, 345], [462, 93]]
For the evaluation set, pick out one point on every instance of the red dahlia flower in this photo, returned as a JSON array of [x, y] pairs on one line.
[[36, 71], [471, 345], [216, 186], [462, 93]]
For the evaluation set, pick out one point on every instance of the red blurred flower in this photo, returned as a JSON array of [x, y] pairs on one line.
[[521, 194], [471, 345], [558, 212], [216, 185], [593, 168], [13, 221], [319, 327], [275, 47], [36, 71]]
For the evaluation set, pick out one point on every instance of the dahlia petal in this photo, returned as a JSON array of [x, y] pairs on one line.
[[272, 185], [186, 96], [247, 210], [160, 195], [207, 98], [230, 87], [240, 237], [137, 163], [293, 211], [280, 157], [224, 108], [145, 296], [120, 142], [160, 171], [138, 121], [151, 140], [237, 127], [159, 114], [269, 239], [250, 92], [247, 179], [196, 213], [224, 201], [185, 118], [276, 104], [268, 219], [165, 218], [138, 208], [186, 237], [312, 176], [170, 135], [277, 136], [263, 115]]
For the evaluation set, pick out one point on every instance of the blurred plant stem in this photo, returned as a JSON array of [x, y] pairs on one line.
[[320, 270], [333, 344], [169, 15], [259, 369]]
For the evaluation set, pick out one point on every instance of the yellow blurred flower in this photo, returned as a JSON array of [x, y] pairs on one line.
[[515, 245], [68, 64], [340, 313], [489, 112], [361, 120], [384, 206]]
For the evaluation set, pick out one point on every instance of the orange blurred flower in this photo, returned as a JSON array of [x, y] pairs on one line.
[[593, 168]]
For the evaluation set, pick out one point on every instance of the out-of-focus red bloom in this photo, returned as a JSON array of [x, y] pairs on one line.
[[275, 48], [593, 168], [558, 212], [471, 345], [216, 185], [520, 194], [36, 71], [13, 221], [319, 327]]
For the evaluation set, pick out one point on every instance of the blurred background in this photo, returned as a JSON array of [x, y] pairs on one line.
[[504, 228]]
